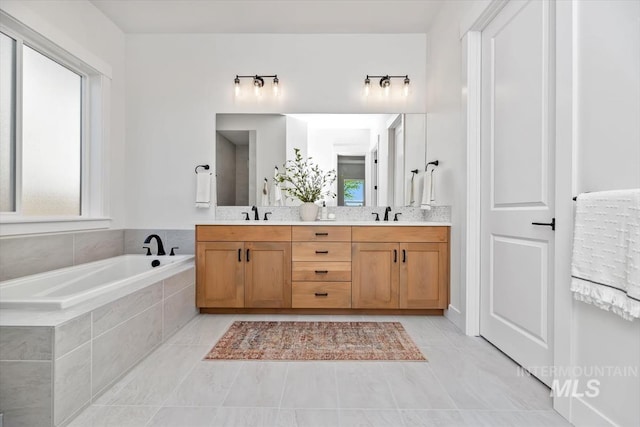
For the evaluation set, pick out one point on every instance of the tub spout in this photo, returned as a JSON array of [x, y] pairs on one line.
[[158, 241]]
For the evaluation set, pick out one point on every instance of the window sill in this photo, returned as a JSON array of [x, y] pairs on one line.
[[12, 226]]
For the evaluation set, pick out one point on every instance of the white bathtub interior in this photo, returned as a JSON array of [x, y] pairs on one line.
[[66, 287]]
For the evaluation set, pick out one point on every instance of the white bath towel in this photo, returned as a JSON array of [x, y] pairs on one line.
[[277, 191], [203, 189], [428, 191], [605, 266], [265, 193]]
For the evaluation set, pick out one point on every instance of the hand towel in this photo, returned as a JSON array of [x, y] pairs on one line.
[[605, 264], [428, 191], [203, 189], [265, 193], [277, 191]]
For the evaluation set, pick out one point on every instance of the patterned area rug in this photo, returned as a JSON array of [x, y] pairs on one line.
[[316, 341]]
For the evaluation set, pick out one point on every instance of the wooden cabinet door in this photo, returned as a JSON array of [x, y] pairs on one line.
[[220, 274], [424, 275], [376, 275], [267, 274]]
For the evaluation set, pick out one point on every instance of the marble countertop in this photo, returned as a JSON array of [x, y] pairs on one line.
[[333, 223]]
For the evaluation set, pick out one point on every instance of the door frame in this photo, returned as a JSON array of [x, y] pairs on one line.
[[471, 27]]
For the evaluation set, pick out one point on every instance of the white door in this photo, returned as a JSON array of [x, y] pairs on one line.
[[518, 184]]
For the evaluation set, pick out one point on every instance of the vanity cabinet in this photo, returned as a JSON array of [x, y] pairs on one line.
[[254, 272], [310, 267], [400, 267], [321, 268]]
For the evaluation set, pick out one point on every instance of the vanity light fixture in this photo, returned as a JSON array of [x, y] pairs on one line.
[[385, 84], [258, 84]]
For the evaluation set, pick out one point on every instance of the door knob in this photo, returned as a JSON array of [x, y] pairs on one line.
[[551, 224]]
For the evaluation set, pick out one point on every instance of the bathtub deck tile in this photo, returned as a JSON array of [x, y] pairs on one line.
[[114, 313], [97, 245], [178, 282], [72, 334], [179, 310], [26, 343], [72, 383], [117, 350], [25, 393]]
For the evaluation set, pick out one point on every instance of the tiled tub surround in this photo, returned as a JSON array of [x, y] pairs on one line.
[[291, 213], [51, 371], [26, 255]]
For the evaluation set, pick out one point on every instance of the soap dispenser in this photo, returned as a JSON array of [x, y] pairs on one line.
[[324, 212]]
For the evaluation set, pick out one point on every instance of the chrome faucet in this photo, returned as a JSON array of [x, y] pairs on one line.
[[386, 213], [159, 243], [256, 215]]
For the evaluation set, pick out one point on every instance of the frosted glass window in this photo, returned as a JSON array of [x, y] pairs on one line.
[[51, 136], [7, 123]]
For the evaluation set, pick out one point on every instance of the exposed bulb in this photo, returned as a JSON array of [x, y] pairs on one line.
[[236, 86], [257, 85], [367, 86], [385, 82], [276, 86], [405, 88]]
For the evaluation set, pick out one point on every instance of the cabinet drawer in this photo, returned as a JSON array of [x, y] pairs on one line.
[[321, 295], [320, 251], [329, 271], [400, 234], [320, 234], [243, 233]]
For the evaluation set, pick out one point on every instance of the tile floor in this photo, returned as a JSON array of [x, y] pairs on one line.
[[466, 382]]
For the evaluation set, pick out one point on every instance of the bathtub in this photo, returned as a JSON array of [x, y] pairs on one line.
[[70, 286]]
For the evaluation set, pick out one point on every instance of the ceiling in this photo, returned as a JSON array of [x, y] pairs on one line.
[[267, 16], [237, 137]]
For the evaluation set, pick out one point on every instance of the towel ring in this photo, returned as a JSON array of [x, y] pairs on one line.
[[206, 167]]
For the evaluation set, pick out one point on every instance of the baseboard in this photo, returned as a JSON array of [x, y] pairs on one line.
[[320, 311], [585, 415], [455, 316]]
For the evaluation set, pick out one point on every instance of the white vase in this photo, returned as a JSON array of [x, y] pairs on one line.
[[309, 211]]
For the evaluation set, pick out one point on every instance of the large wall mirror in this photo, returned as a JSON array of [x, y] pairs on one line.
[[373, 155]]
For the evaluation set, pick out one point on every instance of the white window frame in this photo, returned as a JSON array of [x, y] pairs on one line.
[[94, 124]]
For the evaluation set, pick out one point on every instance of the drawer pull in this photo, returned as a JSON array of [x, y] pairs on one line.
[[322, 294], [239, 255], [322, 271], [395, 255], [322, 234], [322, 252]]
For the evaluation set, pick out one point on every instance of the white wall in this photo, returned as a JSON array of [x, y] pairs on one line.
[[608, 158], [82, 30], [177, 83], [446, 137]]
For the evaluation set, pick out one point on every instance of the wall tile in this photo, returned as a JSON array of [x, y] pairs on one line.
[[110, 315], [117, 350], [26, 343], [22, 256], [134, 238], [97, 245], [71, 334], [179, 309], [184, 239], [178, 282], [72, 382], [25, 393]]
